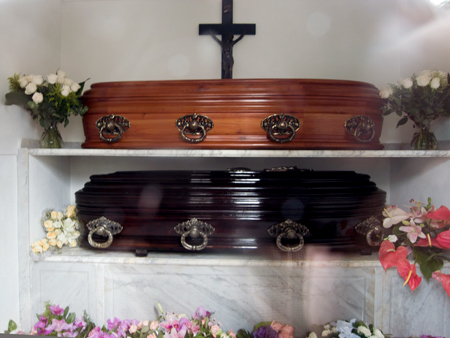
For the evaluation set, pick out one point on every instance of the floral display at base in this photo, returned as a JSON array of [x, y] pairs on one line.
[[271, 329], [62, 229], [421, 98], [49, 102], [348, 329], [422, 232]]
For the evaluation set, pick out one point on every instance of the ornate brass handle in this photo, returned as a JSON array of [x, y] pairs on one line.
[[372, 229], [196, 125], [280, 126], [112, 127], [105, 228], [361, 127], [288, 230], [194, 228]]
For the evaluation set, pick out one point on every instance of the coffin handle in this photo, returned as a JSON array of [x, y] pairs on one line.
[[281, 128], [105, 228], [194, 228], [112, 127], [361, 127], [288, 230], [195, 125], [372, 229]]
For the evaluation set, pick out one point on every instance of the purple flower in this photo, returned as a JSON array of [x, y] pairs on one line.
[[113, 325], [201, 313], [59, 325], [80, 323], [265, 332], [56, 310]]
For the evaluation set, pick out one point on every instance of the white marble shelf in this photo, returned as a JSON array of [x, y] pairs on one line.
[[74, 149], [310, 257]]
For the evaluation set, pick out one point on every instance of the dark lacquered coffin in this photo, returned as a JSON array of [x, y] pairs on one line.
[[233, 114], [237, 209]]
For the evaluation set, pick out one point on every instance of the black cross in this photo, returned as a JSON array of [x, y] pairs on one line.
[[227, 29]]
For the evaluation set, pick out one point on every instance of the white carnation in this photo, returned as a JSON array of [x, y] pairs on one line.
[[406, 82], [423, 80], [38, 97], [30, 88], [52, 78], [392, 238], [435, 83]]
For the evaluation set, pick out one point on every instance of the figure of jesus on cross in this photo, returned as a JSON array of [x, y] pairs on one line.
[[227, 30]]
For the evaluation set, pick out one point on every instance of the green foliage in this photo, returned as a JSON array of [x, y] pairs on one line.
[[429, 260], [244, 334]]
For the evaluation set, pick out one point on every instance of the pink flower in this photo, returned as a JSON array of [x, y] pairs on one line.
[[413, 231], [394, 215], [287, 331], [133, 328], [154, 325], [56, 310], [276, 326], [215, 329], [151, 335], [231, 334]]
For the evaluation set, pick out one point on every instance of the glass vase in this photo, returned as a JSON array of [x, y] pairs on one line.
[[423, 138], [51, 138]]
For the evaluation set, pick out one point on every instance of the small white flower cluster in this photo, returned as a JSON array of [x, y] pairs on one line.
[[62, 229], [31, 82], [345, 329], [433, 78]]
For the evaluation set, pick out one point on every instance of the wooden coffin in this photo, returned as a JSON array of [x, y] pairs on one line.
[[233, 114], [227, 210]]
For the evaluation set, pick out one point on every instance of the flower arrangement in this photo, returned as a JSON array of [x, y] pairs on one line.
[[61, 229], [168, 325], [271, 329], [56, 321], [421, 98], [49, 101], [349, 329], [422, 231]]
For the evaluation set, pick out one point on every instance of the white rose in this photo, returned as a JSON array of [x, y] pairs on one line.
[[312, 335], [59, 244], [65, 90], [325, 333], [364, 330], [435, 83], [52, 78], [426, 73], [52, 242], [70, 211], [37, 97], [423, 80], [406, 83], [38, 79], [60, 215], [30, 88], [37, 249], [68, 82], [23, 81], [75, 87], [386, 92], [57, 224], [72, 243], [54, 215], [61, 76]]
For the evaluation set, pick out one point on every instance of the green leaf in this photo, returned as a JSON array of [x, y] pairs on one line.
[[12, 326], [71, 318], [257, 326], [17, 98], [402, 121], [428, 260], [243, 334], [66, 311]]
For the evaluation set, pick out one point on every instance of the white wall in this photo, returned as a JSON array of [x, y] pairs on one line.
[[377, 41]]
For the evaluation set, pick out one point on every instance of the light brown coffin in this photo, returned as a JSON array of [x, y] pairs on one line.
[[237, 109]]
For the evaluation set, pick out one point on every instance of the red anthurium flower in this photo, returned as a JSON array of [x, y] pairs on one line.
[[444, 279], [408, 272], [389, 256], [443, 239], [428, 242], [441, 214]]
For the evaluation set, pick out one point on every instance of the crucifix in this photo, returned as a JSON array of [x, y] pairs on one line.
[[227, 29]]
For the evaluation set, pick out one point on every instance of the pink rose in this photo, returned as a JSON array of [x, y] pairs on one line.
[[276, 326], [154, 325], [133, 328], [232, 334], [215, 329]]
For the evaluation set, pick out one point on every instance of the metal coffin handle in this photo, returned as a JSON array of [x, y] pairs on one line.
[[281, 128], [373, 230], [105, 228], [194, 125], [288, 230], [112, 127], [361, 127], [194, 228]]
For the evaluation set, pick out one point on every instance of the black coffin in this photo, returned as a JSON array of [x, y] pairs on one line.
[[237, 209]]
